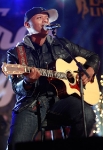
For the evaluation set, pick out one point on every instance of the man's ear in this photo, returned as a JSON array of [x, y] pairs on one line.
[[26, 24]]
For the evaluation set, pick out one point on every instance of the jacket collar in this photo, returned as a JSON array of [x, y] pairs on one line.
[[26, 41]]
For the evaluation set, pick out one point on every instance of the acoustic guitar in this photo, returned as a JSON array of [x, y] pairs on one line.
[[63, 78]]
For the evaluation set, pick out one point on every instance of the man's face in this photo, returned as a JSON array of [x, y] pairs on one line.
[[37, 22]]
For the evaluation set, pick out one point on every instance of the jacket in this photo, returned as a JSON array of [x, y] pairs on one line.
[[57, 48]]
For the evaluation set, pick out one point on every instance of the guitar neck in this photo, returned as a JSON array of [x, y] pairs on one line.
[[51, 73], [17, 69]]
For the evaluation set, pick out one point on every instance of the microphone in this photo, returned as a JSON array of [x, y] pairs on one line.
[[51, 27]]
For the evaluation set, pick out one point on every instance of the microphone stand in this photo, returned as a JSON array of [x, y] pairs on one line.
[[80, 69]]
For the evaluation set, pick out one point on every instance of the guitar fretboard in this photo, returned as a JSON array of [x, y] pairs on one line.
[[53, 74]]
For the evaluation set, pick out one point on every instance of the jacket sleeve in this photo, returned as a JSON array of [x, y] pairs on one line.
[[92, 59], [17, 81]]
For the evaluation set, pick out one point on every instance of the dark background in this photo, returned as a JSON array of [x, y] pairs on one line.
[[81, 22]]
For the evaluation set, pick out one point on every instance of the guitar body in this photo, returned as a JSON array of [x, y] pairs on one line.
[[59, 87], [64, 87]]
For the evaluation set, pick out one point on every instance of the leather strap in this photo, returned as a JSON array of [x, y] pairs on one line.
[[22, 55]]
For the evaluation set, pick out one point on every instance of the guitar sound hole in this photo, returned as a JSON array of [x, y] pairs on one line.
[[70, 77]]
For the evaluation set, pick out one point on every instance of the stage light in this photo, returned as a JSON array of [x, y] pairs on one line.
[[102, 76], [101, 81], [98, 110]]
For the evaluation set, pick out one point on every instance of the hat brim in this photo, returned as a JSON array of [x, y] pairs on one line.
[[53, 14]]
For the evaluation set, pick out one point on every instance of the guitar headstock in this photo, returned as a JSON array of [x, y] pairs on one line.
[[13, 69]]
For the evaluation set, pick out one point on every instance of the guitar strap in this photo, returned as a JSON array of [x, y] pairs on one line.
[[21, 55], [23, 61]]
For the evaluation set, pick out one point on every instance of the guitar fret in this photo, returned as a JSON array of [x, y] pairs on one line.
[[54, 74], [61, 75], [50, 73]]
